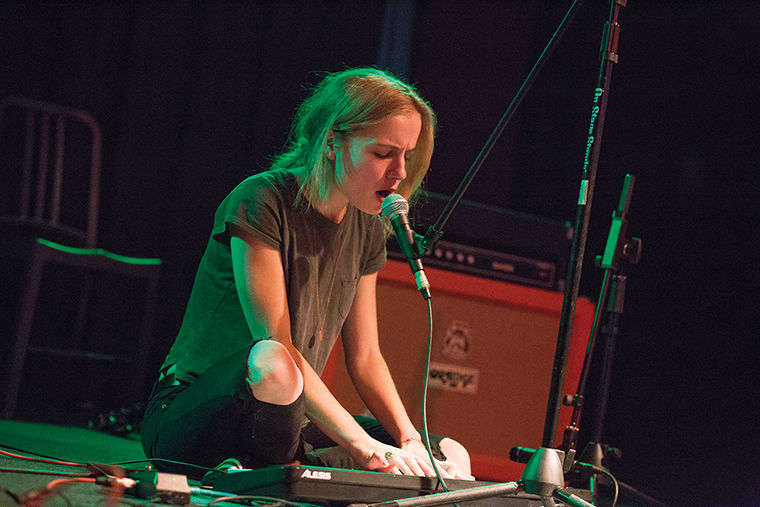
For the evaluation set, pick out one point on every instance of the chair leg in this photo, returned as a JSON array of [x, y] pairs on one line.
[[25, 320]]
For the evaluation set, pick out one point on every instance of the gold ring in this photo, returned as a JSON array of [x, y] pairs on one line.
[[388, 455]]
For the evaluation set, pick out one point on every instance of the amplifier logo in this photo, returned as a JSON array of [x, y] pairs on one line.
[[456, 342], [450, 377], [316, 474]]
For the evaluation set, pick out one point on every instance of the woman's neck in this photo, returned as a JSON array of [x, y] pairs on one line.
[[333, 207]]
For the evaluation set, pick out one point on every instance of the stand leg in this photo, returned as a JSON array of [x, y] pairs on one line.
[[610, 331], [463, 495]]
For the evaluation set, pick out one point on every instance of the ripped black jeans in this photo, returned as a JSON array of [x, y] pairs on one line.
[[216, 417]]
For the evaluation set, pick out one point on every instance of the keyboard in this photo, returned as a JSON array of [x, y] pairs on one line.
[[338, 487]]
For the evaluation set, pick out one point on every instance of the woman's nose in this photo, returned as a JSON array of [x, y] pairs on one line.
[[397, 170]]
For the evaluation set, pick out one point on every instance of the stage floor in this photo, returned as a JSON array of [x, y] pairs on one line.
[[80, 445], [71, 444]]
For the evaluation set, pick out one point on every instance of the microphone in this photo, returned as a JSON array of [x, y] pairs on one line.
[[396, 209]]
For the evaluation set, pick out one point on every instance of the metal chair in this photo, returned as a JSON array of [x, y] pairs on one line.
[[36, 122], [34, 134]]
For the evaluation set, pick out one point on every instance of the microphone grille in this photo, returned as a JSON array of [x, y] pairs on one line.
[[394, 204]]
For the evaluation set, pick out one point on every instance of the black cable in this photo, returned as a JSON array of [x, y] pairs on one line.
[[257, 498], [223, 496], [109, 502], [5, 446], [161, 460], [54, 461], [40, 472], [602, 470], [146, 460]]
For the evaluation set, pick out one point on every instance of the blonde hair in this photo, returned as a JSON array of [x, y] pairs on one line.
[[344, 103]]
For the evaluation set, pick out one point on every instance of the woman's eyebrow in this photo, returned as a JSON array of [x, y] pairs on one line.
[[393, 146]]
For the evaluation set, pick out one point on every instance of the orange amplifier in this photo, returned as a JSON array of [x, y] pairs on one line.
[[491, 365]]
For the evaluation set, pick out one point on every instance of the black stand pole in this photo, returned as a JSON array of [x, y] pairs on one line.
[[435, 231], [583, 212], [618, 253], [610, 331]]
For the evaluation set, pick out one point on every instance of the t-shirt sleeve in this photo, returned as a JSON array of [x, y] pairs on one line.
[[254, 207]]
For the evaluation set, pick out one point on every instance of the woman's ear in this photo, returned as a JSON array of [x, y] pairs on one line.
[[331, 147]]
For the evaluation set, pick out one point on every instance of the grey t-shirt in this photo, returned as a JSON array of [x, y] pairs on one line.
[[313, 250]]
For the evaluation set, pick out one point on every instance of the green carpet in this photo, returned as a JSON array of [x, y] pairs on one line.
[[69, 443]]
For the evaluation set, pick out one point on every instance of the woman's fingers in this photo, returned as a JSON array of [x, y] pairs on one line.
[[453, 470], [395, 461], [400, 461], [377, 462], [409, 463], [414, 465]]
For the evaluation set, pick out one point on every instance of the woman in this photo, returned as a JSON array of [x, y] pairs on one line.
[[292, 262]]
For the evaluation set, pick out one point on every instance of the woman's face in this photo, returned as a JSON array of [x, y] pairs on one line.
[[370, 163]]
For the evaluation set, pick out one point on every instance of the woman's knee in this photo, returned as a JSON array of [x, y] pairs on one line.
[[273, 376]]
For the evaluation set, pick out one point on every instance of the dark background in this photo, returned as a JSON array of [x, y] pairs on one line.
[[192, 98]]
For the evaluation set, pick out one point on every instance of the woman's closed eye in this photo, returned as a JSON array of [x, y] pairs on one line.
[[389, 154]]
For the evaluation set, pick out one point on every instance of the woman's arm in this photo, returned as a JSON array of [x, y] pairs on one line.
[[260, 282], [367, 367], [372, 379]]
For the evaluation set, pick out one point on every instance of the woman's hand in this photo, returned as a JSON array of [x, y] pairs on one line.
[[380, 457], [412, 459], [447, 469]]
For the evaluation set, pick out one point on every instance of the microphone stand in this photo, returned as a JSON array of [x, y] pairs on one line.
[[583, 213], [435, 231], [619, 252], [544, 473]]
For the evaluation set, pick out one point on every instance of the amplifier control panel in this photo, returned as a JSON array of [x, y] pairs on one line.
[[488, 263]]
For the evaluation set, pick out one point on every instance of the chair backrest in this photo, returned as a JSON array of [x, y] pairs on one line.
[[34, 133]]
